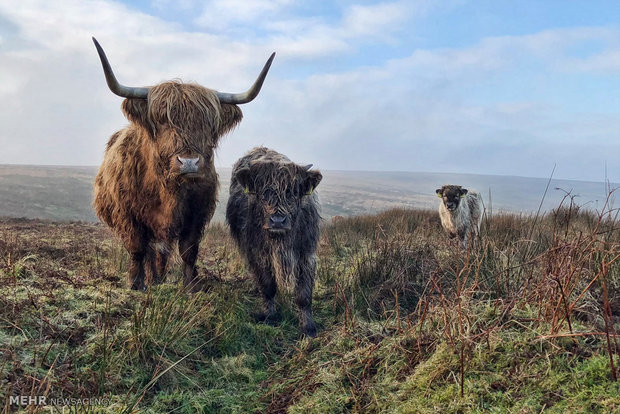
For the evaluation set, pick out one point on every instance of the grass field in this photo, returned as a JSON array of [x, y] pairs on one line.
[[525, 321]]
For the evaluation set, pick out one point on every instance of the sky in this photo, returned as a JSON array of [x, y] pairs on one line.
[[485, 87]]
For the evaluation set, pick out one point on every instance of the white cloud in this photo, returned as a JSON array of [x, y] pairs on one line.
[[411, 113], [375, 19], [61, 111], [607, 62], [222, 14], [275, 23]]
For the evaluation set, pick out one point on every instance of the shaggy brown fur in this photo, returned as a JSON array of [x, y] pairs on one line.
[[139, 190]]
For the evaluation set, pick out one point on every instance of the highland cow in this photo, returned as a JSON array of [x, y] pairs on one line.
[[157, 184], [273, 213], [460, 211]]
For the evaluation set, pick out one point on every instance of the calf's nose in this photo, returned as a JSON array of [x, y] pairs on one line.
[[277, 221]]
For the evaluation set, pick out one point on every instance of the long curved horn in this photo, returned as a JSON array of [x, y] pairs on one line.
[[115, 87], [250, 94]]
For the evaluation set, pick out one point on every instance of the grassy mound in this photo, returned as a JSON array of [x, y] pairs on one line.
[[523, 321]]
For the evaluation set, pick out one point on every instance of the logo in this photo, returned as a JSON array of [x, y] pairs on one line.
[[41, 400]]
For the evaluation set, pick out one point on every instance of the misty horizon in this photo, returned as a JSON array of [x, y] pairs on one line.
[[65, 192], [604, 181]]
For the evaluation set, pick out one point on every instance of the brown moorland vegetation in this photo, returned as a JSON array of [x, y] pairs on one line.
[[525, 321]]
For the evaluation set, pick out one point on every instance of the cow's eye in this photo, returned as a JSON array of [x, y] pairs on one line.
[[269, 194]]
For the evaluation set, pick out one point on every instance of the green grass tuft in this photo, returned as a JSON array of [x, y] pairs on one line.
[[523, 321]]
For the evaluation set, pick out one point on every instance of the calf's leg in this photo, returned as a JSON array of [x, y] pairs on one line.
[[266, 281], [304, 285]]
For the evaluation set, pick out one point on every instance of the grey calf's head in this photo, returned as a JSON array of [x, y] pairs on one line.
[[276, 192]]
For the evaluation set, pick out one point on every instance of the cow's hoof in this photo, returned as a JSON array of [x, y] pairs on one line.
[[159, 280], [141, 287], [196, 285], [310, 330]]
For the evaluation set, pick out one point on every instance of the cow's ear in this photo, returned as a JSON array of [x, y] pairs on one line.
[[463, 192], [439, 193], [244, 178], [313, 178], [136, 110], [230, 116]]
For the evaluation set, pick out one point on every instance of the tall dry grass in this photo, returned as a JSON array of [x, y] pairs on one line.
[[521, 321], [553, 271]]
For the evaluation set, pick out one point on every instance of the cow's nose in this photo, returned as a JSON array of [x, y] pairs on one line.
[[188, 165], [277, 221]]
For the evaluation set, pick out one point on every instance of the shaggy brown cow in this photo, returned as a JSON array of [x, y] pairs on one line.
[[157, 183]]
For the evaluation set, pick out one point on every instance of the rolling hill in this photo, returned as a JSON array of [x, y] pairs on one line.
[[65, 193]]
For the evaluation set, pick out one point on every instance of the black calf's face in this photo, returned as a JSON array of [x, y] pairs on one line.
[[276, 193], [451, 195]]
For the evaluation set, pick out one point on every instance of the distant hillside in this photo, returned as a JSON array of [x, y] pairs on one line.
[[55, 193], [65, 193]]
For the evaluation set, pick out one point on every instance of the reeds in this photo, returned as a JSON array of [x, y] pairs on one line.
[[558, 265]]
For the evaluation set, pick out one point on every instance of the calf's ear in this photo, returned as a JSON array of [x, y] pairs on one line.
[[438, 192], [313, 178], [244, 178], [463, 192]]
